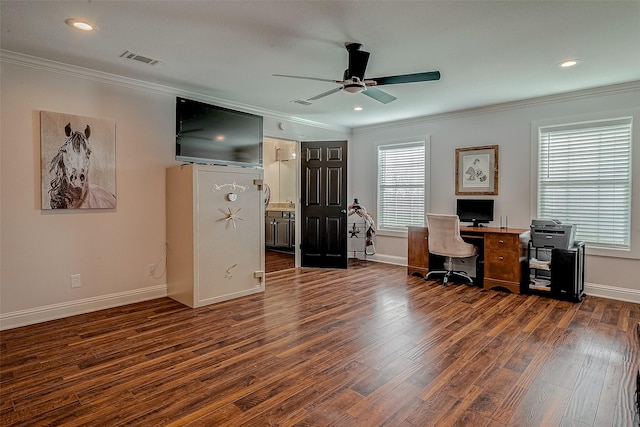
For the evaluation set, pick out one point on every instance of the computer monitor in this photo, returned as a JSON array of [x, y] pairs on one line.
[[476, 211]]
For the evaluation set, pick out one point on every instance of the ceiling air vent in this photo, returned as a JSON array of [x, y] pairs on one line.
[[140, 58], [301, 102]]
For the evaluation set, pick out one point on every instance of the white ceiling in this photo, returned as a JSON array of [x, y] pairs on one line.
[[487, 51]]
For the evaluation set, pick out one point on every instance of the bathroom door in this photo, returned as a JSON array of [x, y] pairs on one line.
[[324, 204]]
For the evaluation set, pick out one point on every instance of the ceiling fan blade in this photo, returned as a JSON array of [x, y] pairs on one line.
[[407, 78], [379, 95], [308, 78], [358, 60], [323, 94]]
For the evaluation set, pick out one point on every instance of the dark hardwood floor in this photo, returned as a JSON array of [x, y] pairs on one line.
[[367, 346], [276, 261]]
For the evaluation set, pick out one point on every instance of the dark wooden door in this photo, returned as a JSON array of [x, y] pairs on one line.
[[324, 204]]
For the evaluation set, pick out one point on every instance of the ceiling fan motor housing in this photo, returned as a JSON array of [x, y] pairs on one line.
[[358, 60]]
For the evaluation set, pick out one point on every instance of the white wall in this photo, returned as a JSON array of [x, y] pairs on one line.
[[508, 126], [110, 249]]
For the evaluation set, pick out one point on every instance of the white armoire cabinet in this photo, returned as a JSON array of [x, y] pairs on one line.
[[215, 233]]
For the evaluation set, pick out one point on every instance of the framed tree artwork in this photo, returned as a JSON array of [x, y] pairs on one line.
[[477, 170]]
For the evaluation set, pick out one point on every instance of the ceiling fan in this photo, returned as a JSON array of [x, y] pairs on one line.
[[353, 80]]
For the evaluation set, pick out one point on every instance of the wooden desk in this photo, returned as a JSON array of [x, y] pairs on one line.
[[503, 252]]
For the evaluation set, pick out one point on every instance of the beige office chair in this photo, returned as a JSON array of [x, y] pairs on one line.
[[445, 240]]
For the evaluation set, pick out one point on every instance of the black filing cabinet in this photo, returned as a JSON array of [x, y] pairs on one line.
[[567, 273], [557, 273]]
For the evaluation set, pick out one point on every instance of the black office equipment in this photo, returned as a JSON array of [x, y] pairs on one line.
[[557, 272], [551, 233], [476, 211], [567, 273]]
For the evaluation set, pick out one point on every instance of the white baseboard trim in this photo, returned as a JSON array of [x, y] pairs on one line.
[[612, 292], [71, 308], [387, 259]]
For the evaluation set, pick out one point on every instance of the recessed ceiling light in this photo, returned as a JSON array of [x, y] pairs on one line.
[[357, 108], [79, 24], [569, 63]]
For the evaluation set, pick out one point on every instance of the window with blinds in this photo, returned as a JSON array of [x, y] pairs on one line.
[[401, 185], [584, 178]]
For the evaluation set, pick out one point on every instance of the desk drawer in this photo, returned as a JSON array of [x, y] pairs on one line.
[[505, 242], [502, 284], [502, 265]]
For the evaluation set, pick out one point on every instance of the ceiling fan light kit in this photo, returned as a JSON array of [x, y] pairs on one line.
[[353, 80], [355, 87]]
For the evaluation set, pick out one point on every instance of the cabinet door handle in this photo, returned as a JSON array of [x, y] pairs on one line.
[[501, 258], [501, 242]]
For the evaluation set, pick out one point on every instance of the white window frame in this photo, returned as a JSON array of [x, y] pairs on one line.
[[634, 250], [402, 231]]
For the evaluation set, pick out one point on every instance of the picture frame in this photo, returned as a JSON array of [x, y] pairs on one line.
[[477, 171], [77, 162]]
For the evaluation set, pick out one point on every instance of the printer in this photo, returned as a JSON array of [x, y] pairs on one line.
[[551, 233]]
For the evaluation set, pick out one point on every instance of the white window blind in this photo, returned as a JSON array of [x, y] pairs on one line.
[[584, 178], [401, 185]]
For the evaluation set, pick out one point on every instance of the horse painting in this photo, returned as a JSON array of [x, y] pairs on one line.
[[70, 186]]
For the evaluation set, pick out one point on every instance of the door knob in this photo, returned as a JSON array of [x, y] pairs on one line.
[[343, 211]]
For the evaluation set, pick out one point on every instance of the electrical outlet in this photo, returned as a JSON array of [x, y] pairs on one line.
[[152, 269], [75, 281]]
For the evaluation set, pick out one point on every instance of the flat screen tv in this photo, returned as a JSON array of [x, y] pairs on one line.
[[209, 134], [476, 211]]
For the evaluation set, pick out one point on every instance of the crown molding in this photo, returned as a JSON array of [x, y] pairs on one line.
[[524, 103], [130, 83]]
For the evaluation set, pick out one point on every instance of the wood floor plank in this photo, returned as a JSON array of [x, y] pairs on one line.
[[366, 346], [460, 411], [333, 409], [542, 404], [432, 410], [494, 386]]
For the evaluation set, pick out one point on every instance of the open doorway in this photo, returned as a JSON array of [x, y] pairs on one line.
[[280, 162]]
